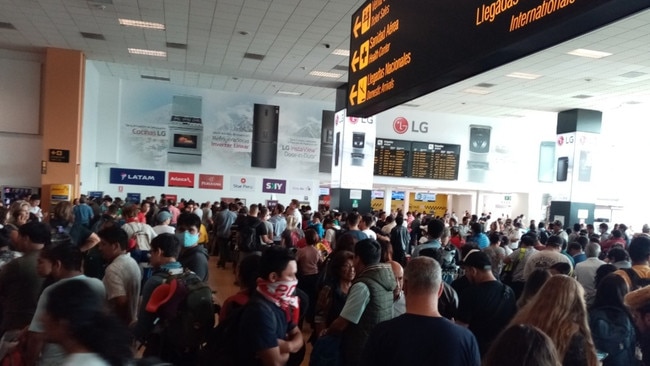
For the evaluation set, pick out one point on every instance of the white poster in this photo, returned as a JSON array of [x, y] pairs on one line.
[[302, 149], [301, 188], [357, 155], [231, 141], [242, 183], [582, 189], [565, 153]]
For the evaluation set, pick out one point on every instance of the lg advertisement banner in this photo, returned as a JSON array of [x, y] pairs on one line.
[[354, 148], [565, 153]]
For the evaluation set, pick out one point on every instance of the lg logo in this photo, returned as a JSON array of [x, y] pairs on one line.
[[401, 126], [561, 140]]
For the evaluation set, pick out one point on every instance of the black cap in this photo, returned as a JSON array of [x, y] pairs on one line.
[[477, 259]]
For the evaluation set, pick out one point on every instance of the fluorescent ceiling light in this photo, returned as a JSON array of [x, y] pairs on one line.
[[480, 91], [138, 51], [589, 53], [288, 92], [523, 75], [141, 24], [324, 74], [341, 52]]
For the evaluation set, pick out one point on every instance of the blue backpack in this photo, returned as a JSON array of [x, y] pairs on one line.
[[613, 333]]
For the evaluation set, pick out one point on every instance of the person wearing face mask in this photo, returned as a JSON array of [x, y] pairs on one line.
[[193, 256], [268, 328]]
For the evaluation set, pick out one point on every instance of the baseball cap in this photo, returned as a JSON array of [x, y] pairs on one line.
[[477, 259], [163, 215]]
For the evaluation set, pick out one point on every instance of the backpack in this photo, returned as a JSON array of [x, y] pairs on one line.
[[249, 241], [613, 333], [188, 316], [636, 281], [543, 236], [295, 238], [221, 346], [139, 239]]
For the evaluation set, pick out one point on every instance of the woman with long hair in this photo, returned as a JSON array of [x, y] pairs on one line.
[[611, 323], [76, 318], [334, 292], [292, 234], [559, 310], [535, 281], [522, 345]]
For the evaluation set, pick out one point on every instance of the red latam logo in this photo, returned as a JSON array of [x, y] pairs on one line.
[[209, 181], [176, 179], [400, 125]]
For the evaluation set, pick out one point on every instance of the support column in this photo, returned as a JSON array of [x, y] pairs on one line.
[[61, 116], [574, 199]]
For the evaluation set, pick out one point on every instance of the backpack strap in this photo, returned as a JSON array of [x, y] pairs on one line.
[[633, 276]]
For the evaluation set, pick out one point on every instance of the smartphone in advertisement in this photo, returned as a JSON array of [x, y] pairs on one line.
[[562, 168], [479, 139], [337, 148]]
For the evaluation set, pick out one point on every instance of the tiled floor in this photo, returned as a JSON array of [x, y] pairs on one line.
[[222, 281]]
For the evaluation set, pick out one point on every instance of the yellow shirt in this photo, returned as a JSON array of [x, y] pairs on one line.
[[642, 270], [203, 235]]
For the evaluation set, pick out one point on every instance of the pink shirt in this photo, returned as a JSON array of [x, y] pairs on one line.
[[308, 259]]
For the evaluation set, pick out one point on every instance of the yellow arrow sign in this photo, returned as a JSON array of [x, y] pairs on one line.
[[355, 61], [353, 94], [357, 27]]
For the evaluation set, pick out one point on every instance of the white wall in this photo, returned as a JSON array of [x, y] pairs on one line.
[[112, 103], [20, 141]]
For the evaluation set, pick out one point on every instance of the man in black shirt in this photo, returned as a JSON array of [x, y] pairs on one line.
[[421, 336], [487, 305]]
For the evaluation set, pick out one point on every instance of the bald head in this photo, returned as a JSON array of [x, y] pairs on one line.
[[423, 275]]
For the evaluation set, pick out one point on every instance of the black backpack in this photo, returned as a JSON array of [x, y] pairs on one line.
[[221, 347], [249, 241], [613, 333], [636, 281]]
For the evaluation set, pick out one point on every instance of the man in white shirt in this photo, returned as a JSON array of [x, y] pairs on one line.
[[367, 221], [586, 271], [123, 276], [544, 259]]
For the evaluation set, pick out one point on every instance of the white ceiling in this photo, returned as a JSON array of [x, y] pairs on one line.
[[298, 36]]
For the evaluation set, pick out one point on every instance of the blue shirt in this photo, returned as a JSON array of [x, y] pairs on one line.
[[83, 214], [279, 225], [433, 244], [480, 239]]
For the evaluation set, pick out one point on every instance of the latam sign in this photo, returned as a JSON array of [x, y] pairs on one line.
[[274, 186], [210, 181], [137, 177], [176, 179]]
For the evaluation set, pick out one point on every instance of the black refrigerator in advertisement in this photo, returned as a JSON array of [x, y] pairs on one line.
[[326, 142], [266, 120]]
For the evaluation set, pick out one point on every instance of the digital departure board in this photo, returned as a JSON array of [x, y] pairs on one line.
[[402, 49], [392, 157], [428, 160], [435, 161]]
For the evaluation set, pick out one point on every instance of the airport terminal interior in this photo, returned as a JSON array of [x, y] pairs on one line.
[[236, 152]]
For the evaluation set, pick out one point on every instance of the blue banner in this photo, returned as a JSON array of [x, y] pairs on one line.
[[133, 198], [138, 177]]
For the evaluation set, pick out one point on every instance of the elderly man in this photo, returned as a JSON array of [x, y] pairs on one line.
[[421, 336]]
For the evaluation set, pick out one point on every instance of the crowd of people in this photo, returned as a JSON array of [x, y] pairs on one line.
[[97, 282]]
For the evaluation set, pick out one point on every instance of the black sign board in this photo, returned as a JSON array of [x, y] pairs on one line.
[[435, 161], [392, 157], [403, 49], [428, 160], [59, 156]]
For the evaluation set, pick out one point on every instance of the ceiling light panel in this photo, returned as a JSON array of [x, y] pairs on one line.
[[341, 52], [139, 51], [141, 24], [284, 92], [325, 74], [523, 75], [582, 52], [479, 91]]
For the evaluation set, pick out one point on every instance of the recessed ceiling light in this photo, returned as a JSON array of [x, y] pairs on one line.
[[138, 51], [141, 24], [243, 33], [523, 75], [582, 96], [325, 74], [480, 91], [485, 85], [285, 92], [588, 53], [341, 52], [633, 74]]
